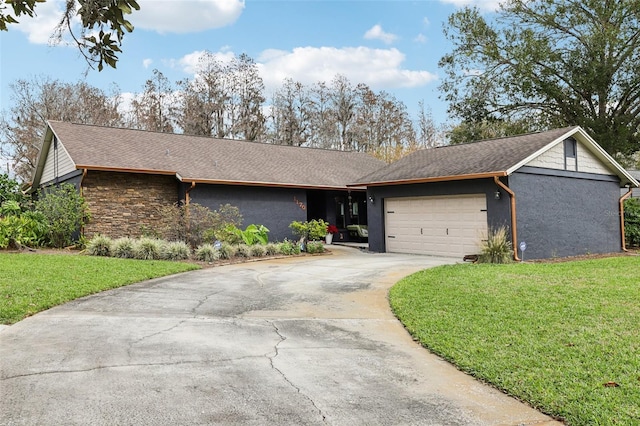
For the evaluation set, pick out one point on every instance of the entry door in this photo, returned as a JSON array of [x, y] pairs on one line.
[[440, 225]]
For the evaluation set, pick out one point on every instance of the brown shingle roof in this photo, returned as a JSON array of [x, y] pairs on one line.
[[206, 159], [476, 159]]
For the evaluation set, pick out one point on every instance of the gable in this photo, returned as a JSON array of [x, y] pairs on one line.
[[585, 161], [58, 163]]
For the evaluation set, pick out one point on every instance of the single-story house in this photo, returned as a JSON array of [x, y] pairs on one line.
[[558, 192], [126, 175]]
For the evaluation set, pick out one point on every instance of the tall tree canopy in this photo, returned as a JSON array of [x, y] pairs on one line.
[[103, 25], [552, 63]]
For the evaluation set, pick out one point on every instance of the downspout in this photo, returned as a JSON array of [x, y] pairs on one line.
[[622, 199], [187, 197], [514, 230], [84, 174], [187, 200]]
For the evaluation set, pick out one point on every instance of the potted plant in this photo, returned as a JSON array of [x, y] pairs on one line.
[[331, 229]]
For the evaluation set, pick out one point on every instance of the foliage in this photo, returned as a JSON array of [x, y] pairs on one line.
[[100, 21], [10, 208], [65, 212], [242, 250], [253, 234], [550, 334], [497, 248], [312, 230], [315, 247], [632, 222], [227, 251], [195, 224], [124, 248], [9, 191], [207, 253], [148, 249], [33, 282], [289, 248], [558, 63], [271, 249], [332, 229], [176, 250], [257, 250], [100, 245], [28, 229]]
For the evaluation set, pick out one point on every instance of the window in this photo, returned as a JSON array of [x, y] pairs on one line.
[[570, 154]]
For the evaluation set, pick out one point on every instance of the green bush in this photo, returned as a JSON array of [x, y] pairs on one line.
[[100, 245], [148, 249], [315, 247], [242, 250], [289, 248], [632, 222], [176, 250], [10, 190], [497, 248], [257, 250], [28, 229], [207, 253], [124, 248], [65, 212], [227, 251], [271, 249], [312, 230]]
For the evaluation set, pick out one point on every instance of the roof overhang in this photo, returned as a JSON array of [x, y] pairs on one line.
[[434, 179]]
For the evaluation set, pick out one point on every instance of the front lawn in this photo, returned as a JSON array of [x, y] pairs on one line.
[[562, 336], [30, 283]]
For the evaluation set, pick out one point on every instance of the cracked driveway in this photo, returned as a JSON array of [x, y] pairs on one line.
[[297, 341]]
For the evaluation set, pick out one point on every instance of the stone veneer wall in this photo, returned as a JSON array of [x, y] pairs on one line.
[[122, 204]]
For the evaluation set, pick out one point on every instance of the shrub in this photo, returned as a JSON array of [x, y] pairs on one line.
[[289, 247], [28, 229], [65, 212], [226, 251], [148, 249], [257, 250], [632, 222], [207, 253], [315, 247], [123, 248], [271, 249], [497, 248], [10, 190], [242, 250], [311, 230], [100, 245], [176, 250]]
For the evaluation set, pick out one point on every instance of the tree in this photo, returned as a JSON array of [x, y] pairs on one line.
[[152, 109], [572, 62], [103, 25], [246, 99], [34, 102], [290, 114]]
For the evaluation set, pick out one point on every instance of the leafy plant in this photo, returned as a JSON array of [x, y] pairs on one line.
[[65, 211], [257, 250], [289, 248], [497, 248], [28, 229], [242, 250], [124, 248], [271, 249], [226, 251], [100, 245], [315, 247], [10, 190], [312, 230], [207, 253], [176, 250], [10, 208], [632, 222], [148, 249]]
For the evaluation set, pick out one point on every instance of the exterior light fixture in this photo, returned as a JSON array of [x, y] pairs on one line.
[[497, 195], [372, 199]]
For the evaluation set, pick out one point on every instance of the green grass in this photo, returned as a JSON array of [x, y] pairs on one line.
[[30, 283], [551, 334]]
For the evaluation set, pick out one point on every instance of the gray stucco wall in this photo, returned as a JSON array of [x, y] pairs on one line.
[[567, 214], [274, 208], [498, 211]]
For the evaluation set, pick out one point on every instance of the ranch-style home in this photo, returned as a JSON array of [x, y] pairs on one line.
[[557, 191]]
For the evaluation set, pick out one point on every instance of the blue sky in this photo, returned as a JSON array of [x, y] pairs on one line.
[[389, 45]]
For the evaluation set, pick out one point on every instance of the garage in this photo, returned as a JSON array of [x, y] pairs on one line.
[[452, 225]]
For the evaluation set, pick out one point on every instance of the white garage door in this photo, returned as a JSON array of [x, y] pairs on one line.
[[440, 226]]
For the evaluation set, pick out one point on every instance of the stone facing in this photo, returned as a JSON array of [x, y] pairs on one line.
[[124, 204]]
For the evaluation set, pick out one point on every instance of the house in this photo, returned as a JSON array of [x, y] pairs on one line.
[[127, 175], [558, 192]]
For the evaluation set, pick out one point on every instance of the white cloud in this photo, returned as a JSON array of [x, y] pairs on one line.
[[377, 33], [378, 68], [43, 24], [147, 62], [420, 38], [189, 63], [487, 5], [187, 16], [426, 21]]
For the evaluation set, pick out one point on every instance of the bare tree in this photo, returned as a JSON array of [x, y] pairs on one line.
[[246, 98], [34, 102], [152, 109], [290, 114]]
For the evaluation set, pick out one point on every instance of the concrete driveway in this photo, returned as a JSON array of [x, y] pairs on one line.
[[298, 341]]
